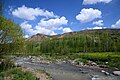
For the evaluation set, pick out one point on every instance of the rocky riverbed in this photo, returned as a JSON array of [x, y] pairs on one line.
[[67, 70]]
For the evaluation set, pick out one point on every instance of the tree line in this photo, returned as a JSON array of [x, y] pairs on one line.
[[105, 41]]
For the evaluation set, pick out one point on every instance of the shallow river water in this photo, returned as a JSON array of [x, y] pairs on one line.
[[66, 71]]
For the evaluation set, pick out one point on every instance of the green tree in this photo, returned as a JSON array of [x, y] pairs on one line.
[[11, 35], [1, 8]]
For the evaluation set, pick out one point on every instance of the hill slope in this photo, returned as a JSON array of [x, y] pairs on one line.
[[102, 40]]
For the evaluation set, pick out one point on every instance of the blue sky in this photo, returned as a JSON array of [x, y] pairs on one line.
[[53, 17]]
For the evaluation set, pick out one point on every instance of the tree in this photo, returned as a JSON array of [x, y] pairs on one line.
[[11, 35], [1, 10]]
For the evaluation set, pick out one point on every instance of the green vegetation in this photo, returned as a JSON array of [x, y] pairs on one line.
[[6, 64], [11, 41], [1, 10], [101, 58], [16, 74], [11, 36], [100, 46], [112, 58], [49, 77], [105, 40]]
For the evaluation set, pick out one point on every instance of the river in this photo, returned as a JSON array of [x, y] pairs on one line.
[[66, 71]]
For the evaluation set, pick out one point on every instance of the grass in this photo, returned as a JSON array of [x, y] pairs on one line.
[[113, 59], [5, 64], [46, 73], [16, 74]]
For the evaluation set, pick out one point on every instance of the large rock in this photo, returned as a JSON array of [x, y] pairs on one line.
[[116, 73]]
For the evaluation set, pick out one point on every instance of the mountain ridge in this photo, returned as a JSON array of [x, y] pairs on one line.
[[39, 37]]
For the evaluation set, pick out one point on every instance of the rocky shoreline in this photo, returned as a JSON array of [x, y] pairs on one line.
[[83, 68]]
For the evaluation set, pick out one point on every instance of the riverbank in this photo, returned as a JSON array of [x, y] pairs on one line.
[[103, 59], [64, 70]]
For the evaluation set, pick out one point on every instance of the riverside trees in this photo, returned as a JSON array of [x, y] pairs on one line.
[[11, 35]]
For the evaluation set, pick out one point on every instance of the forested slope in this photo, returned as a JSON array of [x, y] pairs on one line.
[[103, 40]]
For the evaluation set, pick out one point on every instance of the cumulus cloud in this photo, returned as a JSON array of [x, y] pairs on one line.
[[97, 27], [48, 24], [27, 28], [85, 2], [31, 13], [65, 30], [87, 15], [116, 25], [98, 23], [37, 29], [53, 24], [47, 27], [42, 30]]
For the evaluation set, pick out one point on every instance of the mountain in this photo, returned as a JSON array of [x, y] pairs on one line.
[[37, 37], [40, 37]]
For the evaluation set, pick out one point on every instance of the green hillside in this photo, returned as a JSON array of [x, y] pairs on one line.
[[102, 40]]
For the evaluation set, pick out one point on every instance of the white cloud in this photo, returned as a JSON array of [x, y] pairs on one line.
[[87, 15], [85, 2], [60, 28], [38, 29], [117, 24], [47, 27], [26, 36], [53, 24], [97, 27], [31, 13], [65, 30], [42, 30], [98, 23], [27, 28]]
